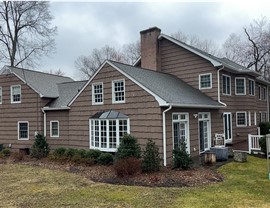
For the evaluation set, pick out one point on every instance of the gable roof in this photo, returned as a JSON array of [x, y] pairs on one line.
[[216, 62], [166, 89], [43, 83], [66, 91]]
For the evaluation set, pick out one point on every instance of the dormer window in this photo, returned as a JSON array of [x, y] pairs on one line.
[[205, 81], [15, 93]]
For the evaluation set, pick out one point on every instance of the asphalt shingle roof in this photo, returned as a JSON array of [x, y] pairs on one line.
[[168, 87], [67, 91], [43, 83]]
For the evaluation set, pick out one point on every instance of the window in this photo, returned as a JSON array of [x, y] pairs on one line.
[[240, 86], [205, 81], [107, 129], [265, 116], [259, 92], [204, 131], [226, 81], [241, 119], [251, 87], [15, 94], [54, 128], [264, 93], [1, 95], [118, 91], [97, 93], [260, 117], [180, 130], [23, 130]]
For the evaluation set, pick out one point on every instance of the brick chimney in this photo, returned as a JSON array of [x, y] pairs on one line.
[[150, 49]]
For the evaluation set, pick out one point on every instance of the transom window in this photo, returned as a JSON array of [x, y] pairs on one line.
[[107, 130], [226, 81], [251, 87], [97, 93], [118, 91], [54, 128], [240, 86], [1, 95], [15, 93], [23, 130], [241, 119], [205, 81]]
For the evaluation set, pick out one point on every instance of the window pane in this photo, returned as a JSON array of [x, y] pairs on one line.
[[240, 86], [241, 119], [205, 81], [98, 93], [16, 93], [55, 128], [23, 130], [119, 92], [112, 134]]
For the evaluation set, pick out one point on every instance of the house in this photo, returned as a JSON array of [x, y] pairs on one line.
[[174, 92]]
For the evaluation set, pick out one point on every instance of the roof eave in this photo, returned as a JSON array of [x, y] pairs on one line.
[[55, 108], [194, 106]]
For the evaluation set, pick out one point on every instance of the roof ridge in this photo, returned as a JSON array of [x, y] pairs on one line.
[[35, 71]]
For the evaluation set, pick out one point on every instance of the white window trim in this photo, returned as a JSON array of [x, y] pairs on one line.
[[260, 92], [11, 94], [113, 93], [209, 129], [18, 130], [238, 112], [245, 89], [264, 94], [51, 128], [255, 118], [188, 133], [253, 87], [1, 92], [205, 88], [117, 134], [249, 118], [93, 94], [224, 75]]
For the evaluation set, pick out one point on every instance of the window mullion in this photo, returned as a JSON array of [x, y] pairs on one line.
[[99, 133], [117, 132], [107, 134]]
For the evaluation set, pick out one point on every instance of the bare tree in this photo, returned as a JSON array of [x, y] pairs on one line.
[[25, 32], [87, 65], [205, 45], [252, 49]]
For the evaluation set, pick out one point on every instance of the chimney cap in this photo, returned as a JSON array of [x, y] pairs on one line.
[[150, 30]]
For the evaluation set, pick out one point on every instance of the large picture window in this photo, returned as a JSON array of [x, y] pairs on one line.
[[107, 130]]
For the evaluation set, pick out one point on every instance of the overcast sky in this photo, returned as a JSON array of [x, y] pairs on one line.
[[87, 25]]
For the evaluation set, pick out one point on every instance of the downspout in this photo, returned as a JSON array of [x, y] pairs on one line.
[[218, 81], [44, 120], [164, 135]]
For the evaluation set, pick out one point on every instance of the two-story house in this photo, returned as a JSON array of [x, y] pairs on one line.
[[174, 93]]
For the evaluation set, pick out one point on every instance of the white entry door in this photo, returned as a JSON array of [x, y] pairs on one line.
[[204, 131]]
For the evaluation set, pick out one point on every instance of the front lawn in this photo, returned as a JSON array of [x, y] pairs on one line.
[[245, 185]]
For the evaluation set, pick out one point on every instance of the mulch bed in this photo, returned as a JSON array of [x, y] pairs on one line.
[[167, 177]]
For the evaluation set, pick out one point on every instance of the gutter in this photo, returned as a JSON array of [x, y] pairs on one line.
[[58, 108], [44, 122], [193, 106], [164, 135], [218, 79]]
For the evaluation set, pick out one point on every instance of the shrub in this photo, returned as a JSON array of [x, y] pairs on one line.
[[92, 154], [151, 159], [40, 148], [69, 153], [5, 152], [18, 156], [105, 159], [127, 166], [262, 143], [59, 152], [128, 148], [264, 128], [181, 159]]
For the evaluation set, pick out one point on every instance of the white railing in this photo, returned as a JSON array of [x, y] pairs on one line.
[[253, 143]]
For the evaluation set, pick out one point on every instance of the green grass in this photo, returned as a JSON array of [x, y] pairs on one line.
[[245, 185]]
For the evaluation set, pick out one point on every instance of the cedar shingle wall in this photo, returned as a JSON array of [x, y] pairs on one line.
[[28, 110]]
